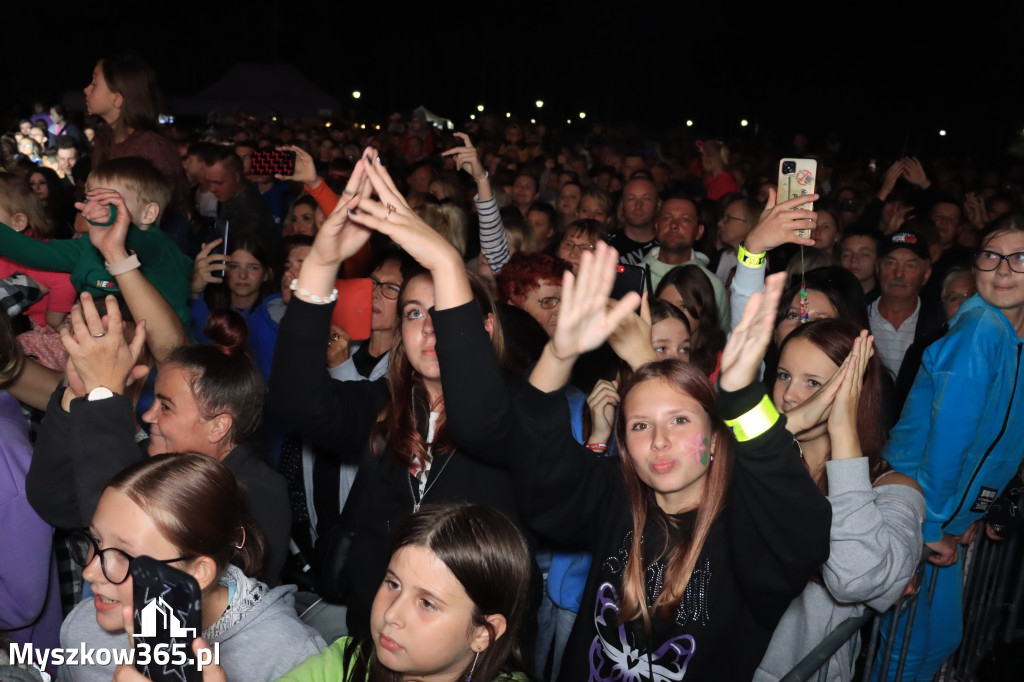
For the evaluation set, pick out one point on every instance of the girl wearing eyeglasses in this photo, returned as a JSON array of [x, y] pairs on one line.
[[188, 511], [959, 435]]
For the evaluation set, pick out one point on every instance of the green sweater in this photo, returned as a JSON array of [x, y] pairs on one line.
[[334, 661], [163, 263]]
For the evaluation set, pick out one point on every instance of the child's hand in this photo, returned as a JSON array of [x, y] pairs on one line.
[[108, 239]]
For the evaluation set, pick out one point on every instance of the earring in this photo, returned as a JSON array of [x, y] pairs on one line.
[[711, 457], [476, 658]]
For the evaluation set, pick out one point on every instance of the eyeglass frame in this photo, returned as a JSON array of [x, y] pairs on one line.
[[96, 551], [381, 286], [577, 247], [557, 300], [1002, 257]]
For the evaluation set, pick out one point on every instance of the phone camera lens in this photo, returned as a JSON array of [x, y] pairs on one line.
[[788, 167]]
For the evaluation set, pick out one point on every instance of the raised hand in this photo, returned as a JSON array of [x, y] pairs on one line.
[[778, 224], [585, 321], [305, 167], [913, 171], [631, 340], [391, 215], [205, 265], [974, 206], [842, 421], [466, 158], [741, 358], [108, 239], [602, 402], [98, 350], [818, 407], [891, 176], [338, 238]]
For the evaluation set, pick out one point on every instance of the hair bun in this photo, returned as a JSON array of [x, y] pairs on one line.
[[228, 332]]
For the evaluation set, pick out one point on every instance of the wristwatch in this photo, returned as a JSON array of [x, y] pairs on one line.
[[100, 393]]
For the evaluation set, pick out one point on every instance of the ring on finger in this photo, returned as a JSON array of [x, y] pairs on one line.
[[99, 336], [388, 214]]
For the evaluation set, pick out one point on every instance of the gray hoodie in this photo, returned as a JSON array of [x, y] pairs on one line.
[[875, 544], [261, 638]]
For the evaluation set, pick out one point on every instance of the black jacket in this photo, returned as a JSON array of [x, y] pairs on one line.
[[78, 452]]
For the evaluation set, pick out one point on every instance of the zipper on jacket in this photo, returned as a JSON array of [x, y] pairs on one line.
[[1006, 420]]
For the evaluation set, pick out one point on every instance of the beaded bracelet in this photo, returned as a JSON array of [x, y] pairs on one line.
[[755, 421], [313, 298], [751, 260]]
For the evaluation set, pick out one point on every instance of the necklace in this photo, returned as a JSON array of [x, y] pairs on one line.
[[416, 503]]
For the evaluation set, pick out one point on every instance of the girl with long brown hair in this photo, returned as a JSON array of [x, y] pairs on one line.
[[395, 427], [829, 386], [705, 528]]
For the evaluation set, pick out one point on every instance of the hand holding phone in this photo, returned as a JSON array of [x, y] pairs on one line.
[[168, 617], [797, 178]]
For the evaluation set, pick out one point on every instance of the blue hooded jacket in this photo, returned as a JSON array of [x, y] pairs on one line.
[[961, 434]]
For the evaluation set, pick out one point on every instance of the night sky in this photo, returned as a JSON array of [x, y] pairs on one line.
[[887, 76]]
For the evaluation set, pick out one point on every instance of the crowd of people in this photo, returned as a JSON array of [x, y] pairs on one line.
[[500, 404]]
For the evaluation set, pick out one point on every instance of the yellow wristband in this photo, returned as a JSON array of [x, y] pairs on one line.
[[754, 422], [751, 260]]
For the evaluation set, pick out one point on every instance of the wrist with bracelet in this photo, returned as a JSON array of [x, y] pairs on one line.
[[306, 295], [751, 260]]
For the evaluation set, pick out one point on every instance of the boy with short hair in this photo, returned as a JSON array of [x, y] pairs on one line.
[[146, 194]]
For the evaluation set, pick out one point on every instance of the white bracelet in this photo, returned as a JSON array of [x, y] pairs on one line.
[[122, 266], [313, 298]]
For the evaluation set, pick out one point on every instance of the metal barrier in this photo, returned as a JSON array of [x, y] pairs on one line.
[[992, 602]]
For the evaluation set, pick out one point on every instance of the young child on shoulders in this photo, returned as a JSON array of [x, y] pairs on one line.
[[145, 194]]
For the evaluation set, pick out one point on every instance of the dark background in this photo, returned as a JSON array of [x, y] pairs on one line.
[[886, 76]]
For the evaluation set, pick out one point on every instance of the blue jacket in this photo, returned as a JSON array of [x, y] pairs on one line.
[[961, 434]]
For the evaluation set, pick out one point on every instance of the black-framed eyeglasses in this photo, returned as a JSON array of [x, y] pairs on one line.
[[549, 302], [388, 290], [990, 260], [116, 564], [577, 247]]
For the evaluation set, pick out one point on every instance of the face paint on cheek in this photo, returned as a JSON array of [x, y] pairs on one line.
[[699, 449]]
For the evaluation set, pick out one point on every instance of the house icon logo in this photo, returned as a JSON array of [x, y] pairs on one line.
[[157, 611]]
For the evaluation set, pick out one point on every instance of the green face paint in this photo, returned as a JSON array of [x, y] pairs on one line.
[[704, 452]]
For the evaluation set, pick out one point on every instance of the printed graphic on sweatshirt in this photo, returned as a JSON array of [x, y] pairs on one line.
[[620, 653]]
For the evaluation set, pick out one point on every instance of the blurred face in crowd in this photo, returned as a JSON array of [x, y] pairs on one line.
[[819, 307], [524, 190], [591, 209], [38, 183], [733, 226], [569, 199], [572, 246], [67, 158], [678, 225], [639, 202], [225, 184], [858, 255], [946, 217], [955, 291]]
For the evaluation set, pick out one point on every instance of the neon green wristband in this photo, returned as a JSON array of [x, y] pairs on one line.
[[754, 422], [751, 260]]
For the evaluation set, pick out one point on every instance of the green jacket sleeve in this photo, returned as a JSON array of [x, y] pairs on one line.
[[58, 255]]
